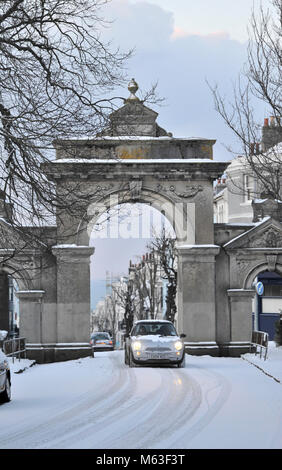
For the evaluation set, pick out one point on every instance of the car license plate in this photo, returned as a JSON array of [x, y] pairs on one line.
[[156, 356]]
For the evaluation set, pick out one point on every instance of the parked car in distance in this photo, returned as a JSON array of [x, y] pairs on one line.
[[101, 341], [154, 342], [5, 375]]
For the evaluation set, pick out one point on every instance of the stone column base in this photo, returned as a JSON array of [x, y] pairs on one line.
[[234, 348], [57, 352], [228, 349], [204, 348]]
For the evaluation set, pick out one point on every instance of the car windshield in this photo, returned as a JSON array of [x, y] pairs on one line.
[[101, 336], [154, 328]]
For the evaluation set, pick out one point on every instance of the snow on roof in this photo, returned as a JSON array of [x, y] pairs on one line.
[[277, 149], [257, 224], [73, 245], [257, 200], [198, 246], [33, 291], [127, 137], [133, 160]]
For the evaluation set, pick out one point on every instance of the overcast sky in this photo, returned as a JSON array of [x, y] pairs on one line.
[[181, 44]]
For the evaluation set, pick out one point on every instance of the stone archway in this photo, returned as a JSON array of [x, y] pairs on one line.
[[266, 306], [137, 161], [259, 268], [12, 269]]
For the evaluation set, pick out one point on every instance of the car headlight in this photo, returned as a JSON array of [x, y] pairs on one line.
[[178, 345], [136, 345]]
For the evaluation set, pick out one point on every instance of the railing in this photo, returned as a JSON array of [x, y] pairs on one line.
[[14, 347], [260, 340]]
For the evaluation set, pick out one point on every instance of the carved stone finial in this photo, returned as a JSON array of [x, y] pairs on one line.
[[132, 88]]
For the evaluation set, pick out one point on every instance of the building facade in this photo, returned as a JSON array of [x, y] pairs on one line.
[[241, 199]]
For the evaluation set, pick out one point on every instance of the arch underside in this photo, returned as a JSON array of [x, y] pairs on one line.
[[181, 216], [18, 273], [256, 270]]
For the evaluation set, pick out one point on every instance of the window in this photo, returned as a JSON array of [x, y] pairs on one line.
[[220, 214], [248, 188]]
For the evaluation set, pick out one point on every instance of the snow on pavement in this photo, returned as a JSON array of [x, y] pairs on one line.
[[273, 363], [102, 404]]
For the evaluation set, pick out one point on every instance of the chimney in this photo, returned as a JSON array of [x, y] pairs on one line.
[[271, 133], [252, 148]]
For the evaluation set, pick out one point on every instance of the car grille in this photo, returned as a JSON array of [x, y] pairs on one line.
[[157, 349]]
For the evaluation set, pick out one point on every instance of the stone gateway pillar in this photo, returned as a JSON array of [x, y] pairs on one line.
[[196, 297], [73, 301], [240, 311], [31, 321]]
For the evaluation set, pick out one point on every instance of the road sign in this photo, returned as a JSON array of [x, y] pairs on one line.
[[260, 288]]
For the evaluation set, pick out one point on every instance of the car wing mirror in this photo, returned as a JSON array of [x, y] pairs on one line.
[[182, 335]]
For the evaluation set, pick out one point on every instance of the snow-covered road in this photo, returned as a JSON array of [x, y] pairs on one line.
[[100, 403]]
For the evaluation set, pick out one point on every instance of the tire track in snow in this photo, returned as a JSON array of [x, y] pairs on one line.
[[184, 401], [34, 435], [209, 408], [137, 423], [111, 425], [140, 408]]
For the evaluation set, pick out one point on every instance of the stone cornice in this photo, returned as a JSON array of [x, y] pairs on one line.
[[163, 170], [73, 253], [35, 295], [245, 251], [201, 253], [238, 294], [117, 140]]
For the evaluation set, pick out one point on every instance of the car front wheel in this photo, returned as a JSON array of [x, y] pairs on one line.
[[6, 395], [182, 363], [130, 361], [125, 357]]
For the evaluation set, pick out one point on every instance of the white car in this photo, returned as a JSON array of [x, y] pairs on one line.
[[5, 374], [154, 342]]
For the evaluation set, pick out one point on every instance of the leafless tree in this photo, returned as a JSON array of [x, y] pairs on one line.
[[111, 303], [164, 245], [57, 78], [260, 80], [125, 297], [146, 285], [54, 69]]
